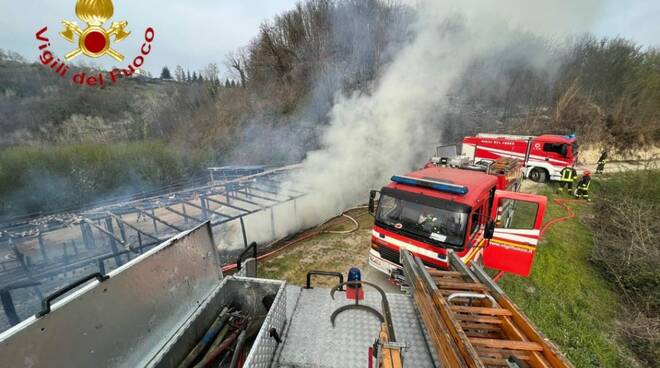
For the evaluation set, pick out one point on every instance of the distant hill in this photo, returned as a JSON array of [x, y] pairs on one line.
[[37, 107]]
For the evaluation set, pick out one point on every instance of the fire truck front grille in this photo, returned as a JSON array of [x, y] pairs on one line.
[[389, 254]]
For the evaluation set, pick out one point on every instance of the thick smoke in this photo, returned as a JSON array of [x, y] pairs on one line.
[[394, 128]]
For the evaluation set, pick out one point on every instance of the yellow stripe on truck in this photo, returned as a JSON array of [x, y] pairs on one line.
[[513, 245]]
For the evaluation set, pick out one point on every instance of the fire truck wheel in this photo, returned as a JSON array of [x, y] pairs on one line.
[[538, 175]]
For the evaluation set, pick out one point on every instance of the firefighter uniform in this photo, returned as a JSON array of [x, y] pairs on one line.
[[601, 163], [568, 177], [583, 187]]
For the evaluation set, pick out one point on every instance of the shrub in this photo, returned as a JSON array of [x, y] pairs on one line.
[[627, 250]]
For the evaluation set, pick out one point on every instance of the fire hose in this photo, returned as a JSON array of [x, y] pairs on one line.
[[308, 235], [342, 232], [570, 213], [318, 230]]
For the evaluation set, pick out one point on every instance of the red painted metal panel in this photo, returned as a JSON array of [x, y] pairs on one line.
[[514, 252]]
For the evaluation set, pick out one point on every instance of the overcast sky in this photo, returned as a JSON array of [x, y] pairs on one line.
[[195, 32]]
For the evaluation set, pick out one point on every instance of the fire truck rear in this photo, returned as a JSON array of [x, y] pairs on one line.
[[474, 210]]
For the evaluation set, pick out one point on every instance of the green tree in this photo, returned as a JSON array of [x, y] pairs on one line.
[[165, 74]]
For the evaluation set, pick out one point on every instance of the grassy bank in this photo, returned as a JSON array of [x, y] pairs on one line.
[[626, 227], [52, 178], [567, 297]]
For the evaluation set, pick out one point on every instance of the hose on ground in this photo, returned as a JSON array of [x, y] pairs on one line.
[[570, 213], [344, 214], [305, 236], [344, 232]]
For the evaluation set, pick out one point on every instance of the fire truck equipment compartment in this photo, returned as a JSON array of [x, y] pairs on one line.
[[150, 312]]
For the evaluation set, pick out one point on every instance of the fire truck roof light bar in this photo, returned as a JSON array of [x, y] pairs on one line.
[[431, 184]]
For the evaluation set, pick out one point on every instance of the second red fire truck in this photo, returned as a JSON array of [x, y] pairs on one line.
[[544, 156], [472, 209]]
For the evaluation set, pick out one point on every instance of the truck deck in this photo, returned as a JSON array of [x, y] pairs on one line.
[[311, 341]]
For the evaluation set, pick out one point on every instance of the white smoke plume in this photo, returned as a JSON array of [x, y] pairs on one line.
[[388, 131]]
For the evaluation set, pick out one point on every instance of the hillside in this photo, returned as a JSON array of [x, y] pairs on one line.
[[37, 108]]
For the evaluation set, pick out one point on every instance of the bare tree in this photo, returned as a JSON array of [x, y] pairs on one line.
[[179, 74], [237, 62], [211, 73]]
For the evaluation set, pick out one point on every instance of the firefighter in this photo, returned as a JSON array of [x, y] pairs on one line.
[[601, 162], [425, 217], [583, 186], [568, 177]]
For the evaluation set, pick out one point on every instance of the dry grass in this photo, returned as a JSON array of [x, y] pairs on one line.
[[327, 252]]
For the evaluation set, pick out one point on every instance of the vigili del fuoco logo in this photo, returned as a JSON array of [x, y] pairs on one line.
[[94, 40]]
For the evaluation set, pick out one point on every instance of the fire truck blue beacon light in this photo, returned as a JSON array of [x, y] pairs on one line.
[[437, 185]]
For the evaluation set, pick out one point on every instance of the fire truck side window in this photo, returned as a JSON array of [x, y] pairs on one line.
[[518, 214], [555, 147], [387, 205], [476, 221]]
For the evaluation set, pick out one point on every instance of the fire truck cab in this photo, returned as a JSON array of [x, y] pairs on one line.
[[467, 210], [544, 156]]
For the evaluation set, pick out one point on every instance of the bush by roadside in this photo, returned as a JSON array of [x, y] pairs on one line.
[[627, 250]]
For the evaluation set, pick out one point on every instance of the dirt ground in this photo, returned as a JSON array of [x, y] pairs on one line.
[[619, 166], [590, 154], [328, 252]]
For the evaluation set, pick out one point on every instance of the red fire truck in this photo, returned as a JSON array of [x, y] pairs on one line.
[[473, 210], [544, 156]]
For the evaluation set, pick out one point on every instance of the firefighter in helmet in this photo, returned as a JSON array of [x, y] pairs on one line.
[[583, 186], [601, 162], [568, 177]]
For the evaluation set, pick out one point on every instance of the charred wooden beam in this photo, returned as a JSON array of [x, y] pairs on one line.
[[155, 218], [184, 215], [106, 232], [119, 219], [228, 205], [208, 210]]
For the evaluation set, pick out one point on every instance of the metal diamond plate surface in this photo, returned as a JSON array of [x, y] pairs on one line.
[[263, 350], [311, 341]]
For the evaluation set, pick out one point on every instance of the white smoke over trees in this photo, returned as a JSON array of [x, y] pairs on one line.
[[392, 129]]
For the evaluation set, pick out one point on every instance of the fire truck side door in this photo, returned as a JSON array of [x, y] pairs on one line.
[[518, 218]]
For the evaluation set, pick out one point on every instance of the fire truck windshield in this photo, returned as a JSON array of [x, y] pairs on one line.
[[432, 221]]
